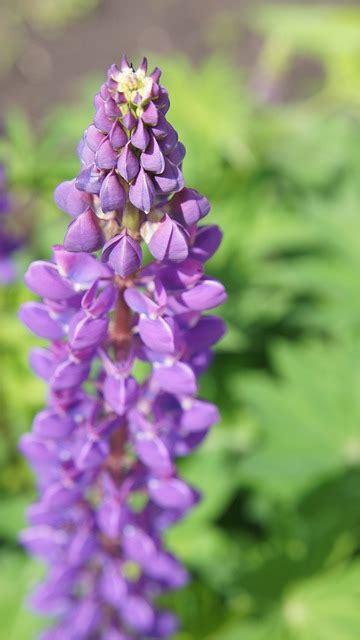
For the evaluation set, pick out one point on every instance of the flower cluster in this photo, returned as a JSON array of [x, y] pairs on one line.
[[129, 340], [9, 242]]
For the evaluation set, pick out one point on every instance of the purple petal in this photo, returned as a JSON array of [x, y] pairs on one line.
[[85, 154], [190, 206], [171, 493], [199, 417], [152, 159], [153, 453], [138, 614], [156, 334], [43, 278], [169, 242], [112, 194], [117, 136], [120, 393], [129, 120], [69, 374], [140, 137], [89, 180], [43, 540], [150, 114], [205, 295], [92, 454], [139, 302], [37, 318], [138, 546], [49, 424], [113, 588], [171, 179], [207, 241], [111, 108], [93, 137], [36, 451], [81, 268], [102, 304], [177, 154], [85, 332], [178, 379], [111, 518], [84, 233], [70, 199], [101, 120], [42, 362], [207, 332], [105, 157], [142, 192], [128, 163], [185, 274], [124, 254]]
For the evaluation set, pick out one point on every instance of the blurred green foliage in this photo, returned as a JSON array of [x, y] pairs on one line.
[[274, 546]]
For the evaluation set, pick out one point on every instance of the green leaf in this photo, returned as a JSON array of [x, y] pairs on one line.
[[308, 430]]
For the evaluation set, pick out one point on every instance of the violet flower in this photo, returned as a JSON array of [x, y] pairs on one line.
[[9, 242], [105, 448]]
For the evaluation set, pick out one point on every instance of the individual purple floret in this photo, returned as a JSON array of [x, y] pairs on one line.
[[9, 242], [105, 448]]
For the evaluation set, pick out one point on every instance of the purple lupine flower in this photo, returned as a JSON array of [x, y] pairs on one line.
[[105, 449], [9, 242]]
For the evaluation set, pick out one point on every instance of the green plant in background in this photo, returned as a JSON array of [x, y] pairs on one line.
[[274, 547], [42, 16]]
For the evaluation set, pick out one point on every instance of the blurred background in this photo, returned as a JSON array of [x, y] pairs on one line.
[[266, 98]]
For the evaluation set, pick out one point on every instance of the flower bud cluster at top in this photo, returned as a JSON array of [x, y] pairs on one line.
[[105, 448]]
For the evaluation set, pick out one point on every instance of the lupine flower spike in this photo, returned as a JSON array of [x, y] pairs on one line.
[[105, 448]]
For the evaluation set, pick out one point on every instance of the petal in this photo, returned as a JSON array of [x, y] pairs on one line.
[[128, 163], [171, 179], [178, 379], [156, 334], [199, 417], [89, 180], [207, 332], [85, 332], [84, 233], [112, 585], [112, 194], [93, 137], [49, 424], [70, 199], [120, 393], [105, 157], [101, 120], [153, 453], [171, 493], [37, 318], [140, 137], [139, 302], [138, 546], [207, 241], [124, 254], [152, 159], [169, 242], [150, 114], [117, 136], [142, 192], [69, 374], [44, 279], [190, 206], [82, 268], [205, 295]]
